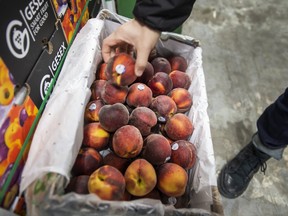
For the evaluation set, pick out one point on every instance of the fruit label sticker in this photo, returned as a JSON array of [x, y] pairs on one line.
[[175, 146], [120, 69], [92, 107], [24, 24], [140, 87]]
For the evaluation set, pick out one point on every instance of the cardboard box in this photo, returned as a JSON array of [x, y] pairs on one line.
[[70, 11], [32, 45], [23, 26], [55, 152], [16, 121], [45, 68]]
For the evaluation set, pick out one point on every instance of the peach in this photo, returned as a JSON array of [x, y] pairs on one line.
[[161, 64], [180, 79], [107, 182], [160, 84], [114, 160], [96, 89], [140, 177], [154, 194], [87, 161], [100, 73], [147, 74], [112, 117], [127, 141], [183, 154], [178, 62], [164, 107], [156, 149], [78, 184], [138, 95], [172, 179], [112, 94], [95, 136], [144, 119], [92, 110], [120, 69], [153, 54], [179, 127], [182, 98], [127, 196]]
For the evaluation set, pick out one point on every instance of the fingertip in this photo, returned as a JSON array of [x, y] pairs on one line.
[[141, 63], [138, 73], [139, 69], [105, 57]]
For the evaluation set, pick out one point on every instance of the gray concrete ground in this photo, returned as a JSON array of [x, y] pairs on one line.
[[245, 53]]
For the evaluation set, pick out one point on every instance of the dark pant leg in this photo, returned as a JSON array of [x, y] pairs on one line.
[[273, 123]]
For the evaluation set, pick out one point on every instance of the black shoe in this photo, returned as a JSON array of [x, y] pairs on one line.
[[235, 176]]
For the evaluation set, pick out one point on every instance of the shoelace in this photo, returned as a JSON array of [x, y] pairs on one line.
[[254, 163], [263, 166]]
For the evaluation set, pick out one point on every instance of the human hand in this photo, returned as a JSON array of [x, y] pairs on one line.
[[132, 35]]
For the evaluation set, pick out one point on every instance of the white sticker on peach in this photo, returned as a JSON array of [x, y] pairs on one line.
[[140, 87], [92, 106], [120, 69], [175, 146]]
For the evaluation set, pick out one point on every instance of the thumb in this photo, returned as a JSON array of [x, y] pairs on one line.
[[141, 61]]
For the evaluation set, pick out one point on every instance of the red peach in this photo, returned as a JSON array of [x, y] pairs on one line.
[[78, 184], [164, 107], [95, 136], [161, 64], [178, 62], [138, 95], [114, 160], [160, 84], [182, 98], [156, 149], [112, 94], [87, 161], [127, 141], [183, 154], [140, 177], [112, 117], [120, 69], [179, 127], [144, 119], [100, 73], [107, 182], [92, 110], [147, 74], [172, 179], [180, 79], [96, 89]]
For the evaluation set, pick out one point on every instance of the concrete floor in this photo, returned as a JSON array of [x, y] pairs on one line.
[[245, 53]]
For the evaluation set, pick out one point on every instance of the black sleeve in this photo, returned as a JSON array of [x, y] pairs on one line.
[[163, 15]]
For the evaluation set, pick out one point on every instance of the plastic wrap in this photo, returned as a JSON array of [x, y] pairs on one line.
[[59, 134]]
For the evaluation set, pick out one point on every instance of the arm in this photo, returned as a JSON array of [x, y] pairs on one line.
[[143, 32], [163, 15]]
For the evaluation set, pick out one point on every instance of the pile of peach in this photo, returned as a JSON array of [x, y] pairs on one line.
[[136, 132]]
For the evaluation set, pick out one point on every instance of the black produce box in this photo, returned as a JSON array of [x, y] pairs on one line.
[[45, 68], [23, 26]]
